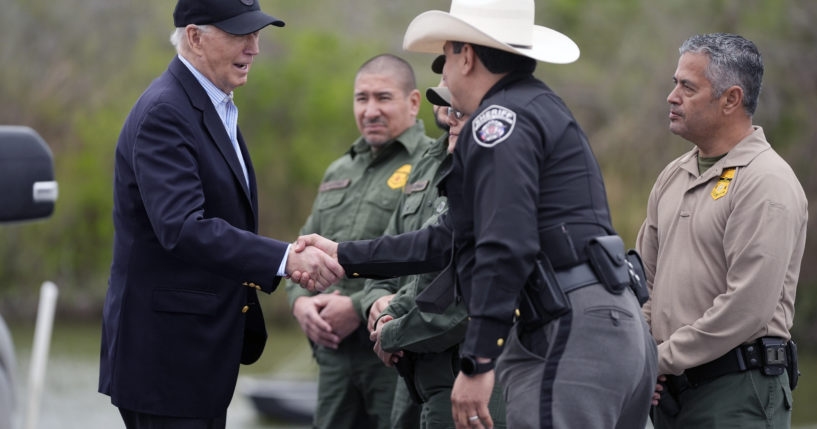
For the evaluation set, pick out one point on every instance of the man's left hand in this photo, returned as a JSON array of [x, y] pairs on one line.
[[470, 398], [389, 359], [377, 308], [340, 313]]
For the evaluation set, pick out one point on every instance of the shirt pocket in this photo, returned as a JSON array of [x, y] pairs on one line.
[[378, 207], [412, 204], [330, 199]]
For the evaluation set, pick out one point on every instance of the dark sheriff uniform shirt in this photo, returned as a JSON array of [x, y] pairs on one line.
[[521, 166]]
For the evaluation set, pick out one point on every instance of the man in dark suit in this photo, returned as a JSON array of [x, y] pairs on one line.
[[181, 310]]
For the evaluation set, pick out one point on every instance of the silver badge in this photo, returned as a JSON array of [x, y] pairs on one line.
[[493, 126]]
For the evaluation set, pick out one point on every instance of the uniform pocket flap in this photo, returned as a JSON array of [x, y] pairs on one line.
[[613, 246], [184, 301], [328, 200], [412, 204]]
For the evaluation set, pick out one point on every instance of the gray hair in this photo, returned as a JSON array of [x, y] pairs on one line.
[[733, 60], [179, 40]]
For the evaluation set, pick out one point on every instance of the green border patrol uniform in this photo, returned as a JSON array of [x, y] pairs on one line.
[[356, 199], [430, 341]]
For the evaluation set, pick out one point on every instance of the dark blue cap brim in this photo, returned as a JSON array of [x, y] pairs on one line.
[[248, 22], [437, 65]]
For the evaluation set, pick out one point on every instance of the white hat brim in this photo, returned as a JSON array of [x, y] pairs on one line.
[[429, 31], [439, 96]]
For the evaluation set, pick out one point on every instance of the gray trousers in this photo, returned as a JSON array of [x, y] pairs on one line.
[[595, 367]]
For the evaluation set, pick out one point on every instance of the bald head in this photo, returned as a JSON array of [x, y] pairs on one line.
[[392, 66], [386, 99]]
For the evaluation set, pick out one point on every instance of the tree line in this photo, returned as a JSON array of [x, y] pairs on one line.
[[72, 70]]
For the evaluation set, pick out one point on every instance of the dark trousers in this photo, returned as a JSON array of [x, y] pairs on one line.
[[137, 420], [745, 400]]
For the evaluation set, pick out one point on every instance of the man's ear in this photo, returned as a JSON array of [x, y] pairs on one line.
[[414, 100], [193, 35], [469, 58], [732, 100]]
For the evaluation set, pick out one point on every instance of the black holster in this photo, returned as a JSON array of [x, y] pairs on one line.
[[542, 299], [616, 268], [405, 367], [791, 357]]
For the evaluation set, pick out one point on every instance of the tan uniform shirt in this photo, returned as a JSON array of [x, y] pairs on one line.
[[722, 253]]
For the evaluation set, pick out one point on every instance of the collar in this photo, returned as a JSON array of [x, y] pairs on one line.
[[505, 81], [411, 140], [216, 95], [740, 156]]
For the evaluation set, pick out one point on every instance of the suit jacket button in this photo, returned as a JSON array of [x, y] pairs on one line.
[[245, 309], [245, 284], [355, 275]]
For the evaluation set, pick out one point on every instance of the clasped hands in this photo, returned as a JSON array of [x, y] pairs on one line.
[[313, 263]]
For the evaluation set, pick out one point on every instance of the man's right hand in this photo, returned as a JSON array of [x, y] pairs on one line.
[[306, 310], [328, 246], [310, 243], [312, 267]]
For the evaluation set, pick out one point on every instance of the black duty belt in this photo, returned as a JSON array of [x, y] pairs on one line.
[[767, 353], [576, 277]]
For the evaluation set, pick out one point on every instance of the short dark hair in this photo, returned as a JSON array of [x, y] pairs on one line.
[[391, 65], [499, 61], [733, 60]]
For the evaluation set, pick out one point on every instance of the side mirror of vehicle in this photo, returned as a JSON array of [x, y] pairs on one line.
[[27, 187]]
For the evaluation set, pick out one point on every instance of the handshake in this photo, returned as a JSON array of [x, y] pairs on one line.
[[313, 263]]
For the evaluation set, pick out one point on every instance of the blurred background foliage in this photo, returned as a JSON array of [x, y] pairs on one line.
[[71, 69]]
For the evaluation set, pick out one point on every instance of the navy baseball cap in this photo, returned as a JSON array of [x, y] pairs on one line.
[[237, 17], [437, 65]]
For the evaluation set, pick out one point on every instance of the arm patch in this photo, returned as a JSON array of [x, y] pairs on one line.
[[493, 126]]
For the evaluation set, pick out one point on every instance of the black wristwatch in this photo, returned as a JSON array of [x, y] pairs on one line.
[[470, 366]]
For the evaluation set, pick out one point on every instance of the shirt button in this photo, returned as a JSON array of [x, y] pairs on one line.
[[245, 309]]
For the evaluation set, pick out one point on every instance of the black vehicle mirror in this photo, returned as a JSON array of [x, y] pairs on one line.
[[27, 186]]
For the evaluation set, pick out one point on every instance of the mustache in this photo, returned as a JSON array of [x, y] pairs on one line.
[[375, 121]]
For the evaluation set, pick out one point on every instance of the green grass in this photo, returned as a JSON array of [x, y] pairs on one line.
[[287, 352]]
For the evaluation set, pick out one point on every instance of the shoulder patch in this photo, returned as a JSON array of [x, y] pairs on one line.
[[493, 125], [399, 178]]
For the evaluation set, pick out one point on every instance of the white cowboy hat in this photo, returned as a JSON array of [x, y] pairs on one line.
[[502, 24]]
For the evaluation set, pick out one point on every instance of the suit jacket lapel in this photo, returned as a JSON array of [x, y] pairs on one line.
[[214, 126], [251, 174]]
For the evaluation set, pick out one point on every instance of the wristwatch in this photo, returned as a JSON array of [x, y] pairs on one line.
[[470, 366]]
